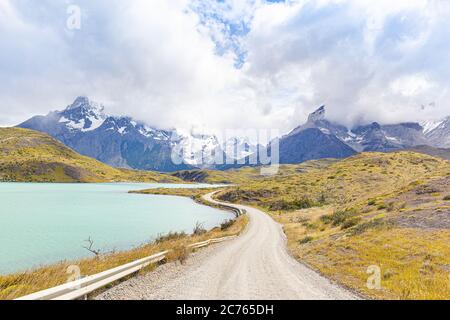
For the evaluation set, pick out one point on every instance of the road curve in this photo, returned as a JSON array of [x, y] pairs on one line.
[[256, 265]]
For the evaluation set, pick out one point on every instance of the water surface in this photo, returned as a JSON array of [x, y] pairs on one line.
[[42, 223]]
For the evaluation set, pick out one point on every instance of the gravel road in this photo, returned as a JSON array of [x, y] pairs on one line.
[[256, 265]]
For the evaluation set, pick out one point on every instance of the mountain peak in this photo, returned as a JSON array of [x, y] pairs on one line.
[[85, 103], [317, 115], [82, 114], [79, 102]]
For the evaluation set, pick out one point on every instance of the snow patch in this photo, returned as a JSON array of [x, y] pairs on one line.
[[391, 138], [429, 126]]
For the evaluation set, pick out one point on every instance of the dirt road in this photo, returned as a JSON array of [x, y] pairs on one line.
[[256, 265]]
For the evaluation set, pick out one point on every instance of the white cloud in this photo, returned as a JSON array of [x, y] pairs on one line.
[[367, 60], [158, 60]]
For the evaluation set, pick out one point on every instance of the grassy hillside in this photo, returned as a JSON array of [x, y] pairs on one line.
[[342, 183], [391, 211], [31, 156], [385, 210], [247, 174]]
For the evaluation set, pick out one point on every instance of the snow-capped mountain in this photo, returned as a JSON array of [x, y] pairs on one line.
[[117, 141], [123, 142], [239, 147], [371, 137], [318, 120], [205, 150], [199, 149], [437, 132], [82, 115], [321, 138], [316, 139]]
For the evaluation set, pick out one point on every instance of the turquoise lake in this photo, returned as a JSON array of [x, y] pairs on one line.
[[42, 223]]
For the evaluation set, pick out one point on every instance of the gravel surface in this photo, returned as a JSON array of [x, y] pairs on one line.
[[256, 265]]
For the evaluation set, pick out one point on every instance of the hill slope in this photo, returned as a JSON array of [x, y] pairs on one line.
[[374, 210], [31, 156], [435, 152]]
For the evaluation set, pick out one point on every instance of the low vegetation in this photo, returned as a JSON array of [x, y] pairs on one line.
[[245, 175], [385, 210], [227, 224]]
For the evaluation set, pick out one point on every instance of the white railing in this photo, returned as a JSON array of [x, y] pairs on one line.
[[82, 287]]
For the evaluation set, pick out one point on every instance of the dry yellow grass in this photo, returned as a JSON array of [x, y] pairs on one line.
[[414, 263], [387, 210], [347, 182]]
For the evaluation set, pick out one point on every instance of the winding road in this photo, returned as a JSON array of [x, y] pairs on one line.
[[256, 265]]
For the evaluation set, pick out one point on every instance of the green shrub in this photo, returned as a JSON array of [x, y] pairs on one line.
[[361, 228], [305, 240], [327, 219], [303, 203], [447, 198], [340, 217], [226, 224], [337, 218], [170, 236], [322, 199], [350, 223], [298, 204]]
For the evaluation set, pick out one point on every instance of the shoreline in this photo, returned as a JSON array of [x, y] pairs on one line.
[[16, 284]]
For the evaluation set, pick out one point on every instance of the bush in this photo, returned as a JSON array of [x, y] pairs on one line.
[[322, 199], [350, 223], [226, 224], [371, 202], [337, 218], [178, 253], [303, 203], [305, 240], [447, 198], [198, 229], [170, 236], [327, 219], [340, 217], [298, 204], [361, 228]]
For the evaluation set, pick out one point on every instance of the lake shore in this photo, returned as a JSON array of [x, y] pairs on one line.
[[19, 284], [46, 223]]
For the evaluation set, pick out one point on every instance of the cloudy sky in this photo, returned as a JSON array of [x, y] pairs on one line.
[[229, 63]]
